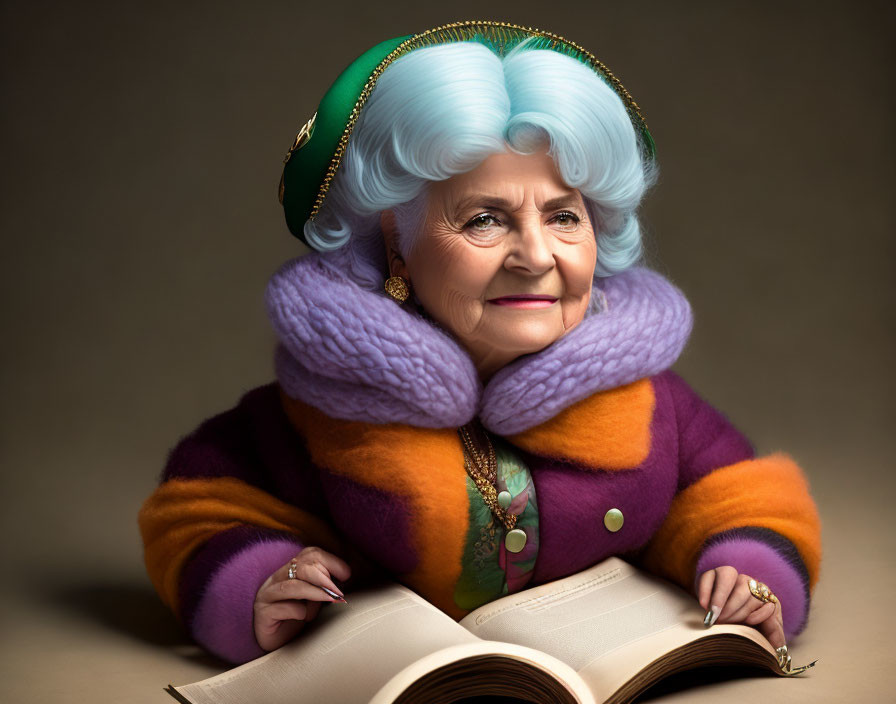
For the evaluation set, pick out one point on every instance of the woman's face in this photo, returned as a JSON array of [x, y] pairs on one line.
[[505, 258]]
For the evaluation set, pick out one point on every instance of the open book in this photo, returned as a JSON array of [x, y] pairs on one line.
[[602, 635]]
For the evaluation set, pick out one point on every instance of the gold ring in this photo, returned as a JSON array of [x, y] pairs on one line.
[[762, 592], [293, 567]]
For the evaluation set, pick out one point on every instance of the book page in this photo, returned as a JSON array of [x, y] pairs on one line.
[[346, 654], [610, 612]]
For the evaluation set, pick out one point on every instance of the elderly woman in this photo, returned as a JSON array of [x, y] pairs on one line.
[[473, 390]]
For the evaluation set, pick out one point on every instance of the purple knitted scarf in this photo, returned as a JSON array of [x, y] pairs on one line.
[[356, 355]]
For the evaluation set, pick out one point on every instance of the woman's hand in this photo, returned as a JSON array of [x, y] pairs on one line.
[[727, 595], [284, 605]]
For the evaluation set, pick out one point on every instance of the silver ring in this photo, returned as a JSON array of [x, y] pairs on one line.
[[292, 570]]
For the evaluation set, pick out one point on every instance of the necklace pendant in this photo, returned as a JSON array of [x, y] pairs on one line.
[[515, 540], [504, 499]]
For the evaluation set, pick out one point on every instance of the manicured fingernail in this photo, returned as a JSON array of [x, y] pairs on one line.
[[711, 616]]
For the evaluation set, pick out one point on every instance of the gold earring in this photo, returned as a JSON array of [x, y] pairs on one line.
[[397, 287]]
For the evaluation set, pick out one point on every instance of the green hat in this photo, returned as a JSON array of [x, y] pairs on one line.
[[312, 161]]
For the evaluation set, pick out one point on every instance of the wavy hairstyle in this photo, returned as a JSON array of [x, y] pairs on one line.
[[440, 111]]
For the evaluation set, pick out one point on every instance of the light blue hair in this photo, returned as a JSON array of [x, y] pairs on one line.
[[440, 111]]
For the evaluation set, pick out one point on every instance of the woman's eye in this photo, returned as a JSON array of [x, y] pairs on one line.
[[567, 221], [481, 223]]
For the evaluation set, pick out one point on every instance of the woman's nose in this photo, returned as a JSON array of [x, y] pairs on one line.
[[531, 249]]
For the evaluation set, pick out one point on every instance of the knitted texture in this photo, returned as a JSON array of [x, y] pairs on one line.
[[356, 355]]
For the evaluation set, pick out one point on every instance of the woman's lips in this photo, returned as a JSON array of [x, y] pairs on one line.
[[524, 301]]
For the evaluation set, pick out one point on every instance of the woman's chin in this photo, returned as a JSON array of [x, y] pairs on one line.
[[502, 336], [522, 337]]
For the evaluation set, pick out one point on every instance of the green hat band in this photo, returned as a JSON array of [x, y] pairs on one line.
[[312, 161]]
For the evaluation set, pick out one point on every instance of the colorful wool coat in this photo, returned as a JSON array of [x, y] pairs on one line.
[[355, 449]]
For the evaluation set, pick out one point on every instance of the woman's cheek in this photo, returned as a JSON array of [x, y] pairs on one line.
[[460, 311], [574, 312], [578, 272], [459, 271]]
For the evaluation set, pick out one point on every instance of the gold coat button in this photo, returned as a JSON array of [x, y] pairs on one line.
[[613, 520]]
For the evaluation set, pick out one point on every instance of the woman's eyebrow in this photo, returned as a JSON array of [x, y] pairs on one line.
[[483, 201], [564, 201], [487, 201]]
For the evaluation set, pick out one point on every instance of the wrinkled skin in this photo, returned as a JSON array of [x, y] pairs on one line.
[[505, 259]]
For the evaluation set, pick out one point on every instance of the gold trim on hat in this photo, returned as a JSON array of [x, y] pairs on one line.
[[301, 139], [455, 31]]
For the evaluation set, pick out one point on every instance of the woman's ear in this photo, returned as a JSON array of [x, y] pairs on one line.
[[394, 260]]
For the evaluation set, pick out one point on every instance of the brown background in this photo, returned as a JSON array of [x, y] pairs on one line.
[[142, 149]]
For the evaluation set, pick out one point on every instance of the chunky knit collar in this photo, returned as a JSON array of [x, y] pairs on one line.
[[356, 355]]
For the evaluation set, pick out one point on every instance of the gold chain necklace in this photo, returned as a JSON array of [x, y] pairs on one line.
[[483, 470]]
